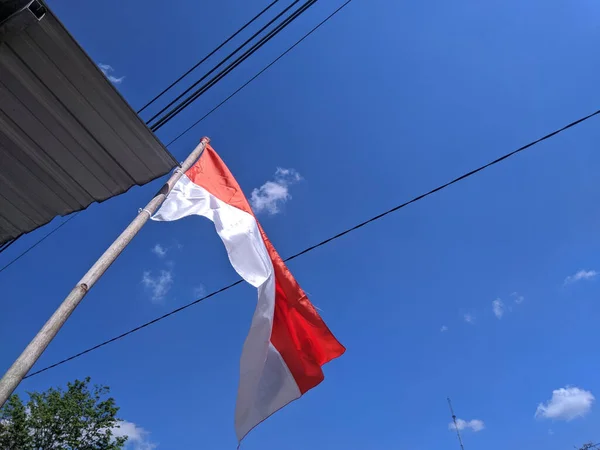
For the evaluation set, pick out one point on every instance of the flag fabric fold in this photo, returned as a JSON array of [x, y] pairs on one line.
[[288, 342]]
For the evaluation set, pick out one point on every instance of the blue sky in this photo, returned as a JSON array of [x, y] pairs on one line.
[[388, 100]]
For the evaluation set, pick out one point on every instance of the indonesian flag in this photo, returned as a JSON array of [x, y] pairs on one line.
[[288, 341]]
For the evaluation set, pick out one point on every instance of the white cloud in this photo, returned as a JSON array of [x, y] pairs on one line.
[[475, 425], [498, 308], [199, 291], [566, 403], [469, 318], [271, 195], [107, 70], [518, 298], [137, 437], [443, 329], [159, 250], [581, 275], [158, 286]]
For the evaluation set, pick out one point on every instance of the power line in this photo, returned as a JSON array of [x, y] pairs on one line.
[[225, 42], [35, 244], [223, 61], [444, 186], [264, 69], [326, 241], [7, 244], [197, 93], [462, 447], [201, 119], [121, 336]]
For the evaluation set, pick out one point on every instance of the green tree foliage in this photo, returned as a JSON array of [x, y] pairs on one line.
[[79, 418]]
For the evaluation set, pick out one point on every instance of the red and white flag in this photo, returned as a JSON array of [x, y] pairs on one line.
[[288, 341]]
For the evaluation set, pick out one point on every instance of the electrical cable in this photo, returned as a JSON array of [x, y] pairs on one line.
[[185, 103], [225, 42], [201, 90], [8, 244], [328, 240], [223, 61], [35, 244], [264, 69]]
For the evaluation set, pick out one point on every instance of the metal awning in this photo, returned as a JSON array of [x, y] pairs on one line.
[[67, 137]]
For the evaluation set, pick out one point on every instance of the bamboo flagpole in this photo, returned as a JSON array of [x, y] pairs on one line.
[[15, 374]]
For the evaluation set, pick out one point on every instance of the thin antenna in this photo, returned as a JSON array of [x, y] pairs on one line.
[[462, 447]]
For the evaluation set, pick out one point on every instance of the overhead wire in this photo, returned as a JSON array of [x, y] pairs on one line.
[[219, 47], [192, 97], [330, 239], [36, 243], [223, 61], [7, 244], [259, 73]]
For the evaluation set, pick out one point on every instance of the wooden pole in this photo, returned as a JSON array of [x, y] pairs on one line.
[[36, 347]]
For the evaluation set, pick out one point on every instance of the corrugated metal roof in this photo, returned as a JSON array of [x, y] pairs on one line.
[[67, 137]]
